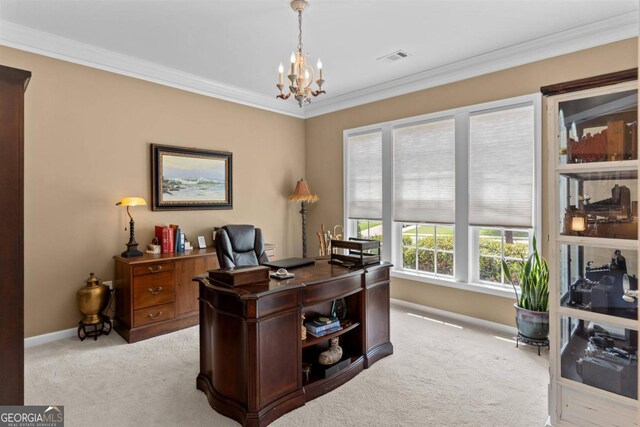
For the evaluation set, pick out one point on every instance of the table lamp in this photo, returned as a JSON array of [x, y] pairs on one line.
[[303, 195], [132, 246]]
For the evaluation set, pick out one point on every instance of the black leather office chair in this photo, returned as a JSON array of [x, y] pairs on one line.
[[240, 245]]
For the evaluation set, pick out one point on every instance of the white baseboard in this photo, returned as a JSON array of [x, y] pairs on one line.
[[50, 337], [455, 316]]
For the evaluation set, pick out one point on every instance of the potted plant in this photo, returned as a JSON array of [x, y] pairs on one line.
[[532, 304]]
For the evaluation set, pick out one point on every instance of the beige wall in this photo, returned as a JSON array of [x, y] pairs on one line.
[[87, 135], [324, 150]]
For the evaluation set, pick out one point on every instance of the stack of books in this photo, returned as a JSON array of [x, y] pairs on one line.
[[322, 325], [170, 238]]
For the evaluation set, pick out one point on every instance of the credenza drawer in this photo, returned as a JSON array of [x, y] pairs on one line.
[[153, 314], [155, 268], [153, 289]]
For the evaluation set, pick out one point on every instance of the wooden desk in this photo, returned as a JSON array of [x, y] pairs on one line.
[[251, 352]]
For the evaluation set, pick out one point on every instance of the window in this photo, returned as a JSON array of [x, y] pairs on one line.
[[455, 191], [366, 229], [364, 177], [501, 197], [424, 194], [428, 248]]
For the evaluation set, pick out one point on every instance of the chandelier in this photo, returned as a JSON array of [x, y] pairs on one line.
[[301, 75]]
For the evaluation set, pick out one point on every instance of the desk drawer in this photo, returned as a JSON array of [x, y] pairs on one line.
[[328, 291], [280, 301], [153, 289], [155, 268], [153, 314], [377, 275]]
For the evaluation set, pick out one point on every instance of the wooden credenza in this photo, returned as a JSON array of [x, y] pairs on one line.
[[155, 294], [251, 350]]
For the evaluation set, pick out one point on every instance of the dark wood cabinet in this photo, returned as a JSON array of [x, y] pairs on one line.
[[251, 350], [155, 294], [186, 290], [13, 83]]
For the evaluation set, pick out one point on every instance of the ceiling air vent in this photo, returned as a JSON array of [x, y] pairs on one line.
[[394, 56]]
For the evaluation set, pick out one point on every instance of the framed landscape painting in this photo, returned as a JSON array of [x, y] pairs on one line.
[[190, 178]]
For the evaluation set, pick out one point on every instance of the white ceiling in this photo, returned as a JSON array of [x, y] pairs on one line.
[[231, 49]]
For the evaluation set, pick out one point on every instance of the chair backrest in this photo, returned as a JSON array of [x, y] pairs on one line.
[[240, 245]]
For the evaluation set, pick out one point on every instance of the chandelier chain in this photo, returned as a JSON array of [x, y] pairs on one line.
[[300, 31]]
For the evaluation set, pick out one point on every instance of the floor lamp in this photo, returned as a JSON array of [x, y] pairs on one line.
[[303, 195]]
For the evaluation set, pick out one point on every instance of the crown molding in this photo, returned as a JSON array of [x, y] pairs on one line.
[[47, 44], [602, 32], [598, 33]]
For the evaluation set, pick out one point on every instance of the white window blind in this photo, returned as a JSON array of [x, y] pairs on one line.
[[365, 175], [501, 167], [424, 172]]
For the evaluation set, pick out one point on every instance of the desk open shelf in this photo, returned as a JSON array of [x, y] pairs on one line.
[[311, 340]]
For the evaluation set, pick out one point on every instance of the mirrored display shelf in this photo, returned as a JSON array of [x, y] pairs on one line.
[[599, 128], [599, 280], [600, 355]]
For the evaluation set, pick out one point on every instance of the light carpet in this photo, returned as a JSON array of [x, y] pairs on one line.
[[443, 373]]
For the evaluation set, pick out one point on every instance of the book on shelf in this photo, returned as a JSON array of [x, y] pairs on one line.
[[182, 241], [159, 230], [321, 324], [325, 332], [173, 238], [170, 240], [164, 239]]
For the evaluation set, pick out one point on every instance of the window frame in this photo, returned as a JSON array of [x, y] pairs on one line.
[[475, 253], [400, 261], [466, 249]]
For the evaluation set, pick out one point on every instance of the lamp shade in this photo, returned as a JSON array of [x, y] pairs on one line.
[[132, 201], [578, 223], [302, 193]]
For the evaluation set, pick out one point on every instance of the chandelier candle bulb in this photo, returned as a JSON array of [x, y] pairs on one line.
[[319, 69], [280, 71]]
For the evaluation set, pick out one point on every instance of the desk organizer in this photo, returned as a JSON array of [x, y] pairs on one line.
[[355, 252]]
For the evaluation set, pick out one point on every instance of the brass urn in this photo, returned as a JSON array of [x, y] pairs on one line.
[[92, 300]]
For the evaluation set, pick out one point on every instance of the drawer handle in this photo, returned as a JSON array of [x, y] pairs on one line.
[[157, 270], [156, 292], [154, 316]]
